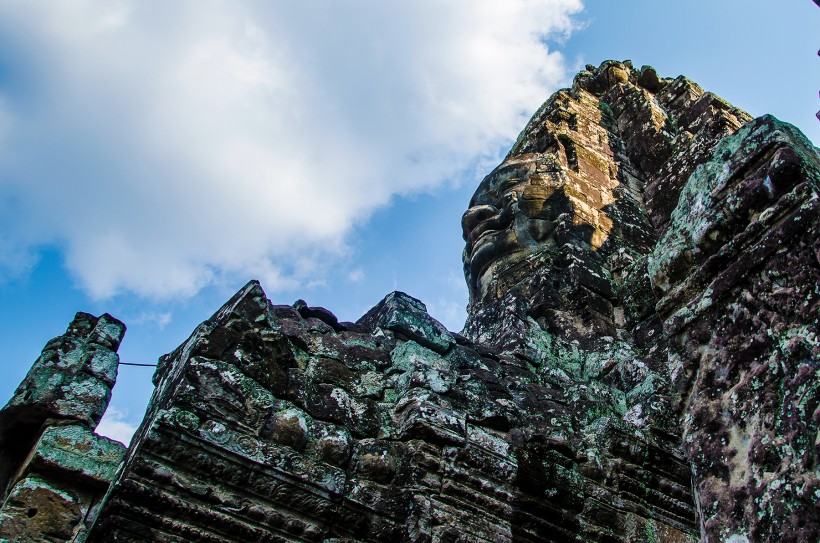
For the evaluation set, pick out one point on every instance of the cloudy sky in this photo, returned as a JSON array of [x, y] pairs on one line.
[[154, 156]]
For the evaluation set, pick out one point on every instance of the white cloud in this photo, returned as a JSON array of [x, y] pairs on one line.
[[115, 425], [159, 319], [356, 276], [166, 146], [15, 258], [450, 308], [5, 123]]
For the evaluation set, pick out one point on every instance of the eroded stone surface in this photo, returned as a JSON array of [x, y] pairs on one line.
[[77, 451], [627, 224], [55, 470], [564, 224], [71, 379], [37, 511], [401, 433], [738, 279]]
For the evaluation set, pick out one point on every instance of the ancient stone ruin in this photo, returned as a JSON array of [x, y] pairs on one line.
[[640, 363]]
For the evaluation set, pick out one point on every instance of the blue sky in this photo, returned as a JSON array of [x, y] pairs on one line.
[[153, 159]]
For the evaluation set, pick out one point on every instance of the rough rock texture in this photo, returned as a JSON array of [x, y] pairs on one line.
[[54, 470], [738, 280], [639, 363], [268, 425], [627, 224], [564, 224]]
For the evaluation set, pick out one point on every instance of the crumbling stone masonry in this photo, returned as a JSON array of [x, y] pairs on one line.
[[54, 470], [640, 363]]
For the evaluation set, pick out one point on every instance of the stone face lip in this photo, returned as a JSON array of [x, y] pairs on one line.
[[639, 363]]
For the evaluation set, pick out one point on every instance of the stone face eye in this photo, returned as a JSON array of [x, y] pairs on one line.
[[509, 185]]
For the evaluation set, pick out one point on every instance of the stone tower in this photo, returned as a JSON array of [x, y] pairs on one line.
[[639, 362]]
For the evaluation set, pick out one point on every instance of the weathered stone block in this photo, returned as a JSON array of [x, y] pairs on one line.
[[407, 315], [79, 452], [736, 275], [37, 511]]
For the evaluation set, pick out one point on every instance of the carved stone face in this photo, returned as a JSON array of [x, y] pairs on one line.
[[514, 212]]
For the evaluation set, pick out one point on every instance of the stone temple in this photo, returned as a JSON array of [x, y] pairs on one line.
[[640, 363]]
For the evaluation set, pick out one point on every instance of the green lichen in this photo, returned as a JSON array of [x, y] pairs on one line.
[[75, 448]]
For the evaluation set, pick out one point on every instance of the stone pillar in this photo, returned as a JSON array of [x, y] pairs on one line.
[[54, 470]]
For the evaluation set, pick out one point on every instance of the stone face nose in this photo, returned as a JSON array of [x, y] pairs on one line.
[[497, 221]]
